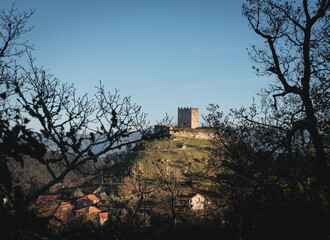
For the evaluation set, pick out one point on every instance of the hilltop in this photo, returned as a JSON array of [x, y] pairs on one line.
[[181, 153]]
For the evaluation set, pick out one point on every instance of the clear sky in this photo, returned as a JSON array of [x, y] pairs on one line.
[[164, 53]]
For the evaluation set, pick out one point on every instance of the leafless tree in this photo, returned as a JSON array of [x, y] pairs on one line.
[[296, 52], [171, 183], [136, 190], [72, 129], [16, 139], [13, 25], [271, 159], [167, 121], [79, 129]]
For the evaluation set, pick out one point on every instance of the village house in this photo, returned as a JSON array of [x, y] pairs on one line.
[[66, 206], [103, 217], [87, 200], [87, 210], [94, 214], [91, 212], [4, 200], [194, 201]]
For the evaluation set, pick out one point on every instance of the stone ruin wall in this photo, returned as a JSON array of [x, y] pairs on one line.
[[201, 133], [188, 126]]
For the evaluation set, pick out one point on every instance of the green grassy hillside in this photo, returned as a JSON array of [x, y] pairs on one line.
[[179, 152]]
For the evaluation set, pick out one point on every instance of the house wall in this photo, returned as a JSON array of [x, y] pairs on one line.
[[197, 202]]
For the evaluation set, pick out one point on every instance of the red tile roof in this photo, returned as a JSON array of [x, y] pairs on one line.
[[88, 210], [65, 205], [88, 198], [104, 215]]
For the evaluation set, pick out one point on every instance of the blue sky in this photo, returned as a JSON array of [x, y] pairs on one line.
[[164, 53]]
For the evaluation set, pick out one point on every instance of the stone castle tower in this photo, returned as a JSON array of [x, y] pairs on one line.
[[188, 118]]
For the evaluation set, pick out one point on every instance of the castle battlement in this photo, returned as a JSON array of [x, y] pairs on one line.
[[187, 108]]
